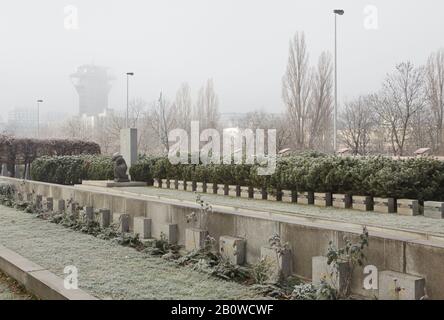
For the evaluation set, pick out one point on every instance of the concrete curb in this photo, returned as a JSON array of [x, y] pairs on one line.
[[37, 280]]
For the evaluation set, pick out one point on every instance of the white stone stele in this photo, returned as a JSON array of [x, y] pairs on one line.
[[257, 193], [335, 278], [128, 146], [233, 249], [232, 190], [170, 232], [199, 187], [306, 197], [400, 286], [281, 263], [195, 238], [407, 207], [181, 185], [363, 203], [323, 199], [434, 210], [112, 184], [220, 189], [142, 227], [286, 196], [384, 205], [244, 192]]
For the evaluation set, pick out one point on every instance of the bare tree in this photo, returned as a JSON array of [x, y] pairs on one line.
[[163, 120], [296, 89], [207, 107], [402, 96], [357, 125], [435, 95], [183, 107], [320, 111]]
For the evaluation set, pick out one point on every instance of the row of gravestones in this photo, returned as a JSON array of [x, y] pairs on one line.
[[391, 285], [430, 209]]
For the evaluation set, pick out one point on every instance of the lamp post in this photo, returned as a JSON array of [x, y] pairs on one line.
[[337, 12], [38, 117], [127, 97]]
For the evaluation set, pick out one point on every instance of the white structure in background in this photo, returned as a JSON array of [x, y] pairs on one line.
[[22, 122]]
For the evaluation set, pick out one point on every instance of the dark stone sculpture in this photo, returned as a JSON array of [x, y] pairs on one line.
[[120, 168]]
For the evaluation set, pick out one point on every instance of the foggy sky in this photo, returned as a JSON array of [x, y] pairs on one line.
[[241, 44]]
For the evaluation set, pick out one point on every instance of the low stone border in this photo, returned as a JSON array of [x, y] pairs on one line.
[[406, 207], [37, 280]]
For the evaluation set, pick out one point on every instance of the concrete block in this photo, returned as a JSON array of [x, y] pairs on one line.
[[400, 286], [433, 209], [407, 207], [281, 262], [142, 227], [286, 196], [122, 220], [29, 197], [221, 189], [342, 201], [306, 197], [180, 185], [89, 214], [49, 204], [170, 231], [233, 249], [323, 199], [60, 206], [244, 192], [337, 278], [384, 205], [105, 218], [195, 238], [257, 193], [232, 190], [38, 201], [199, 187], [363, 203], [165, 183], [210, 187], [156, 183]]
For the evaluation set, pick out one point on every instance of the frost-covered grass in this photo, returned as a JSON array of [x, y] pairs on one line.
[[416, 223], [11, 290], [106, 269]]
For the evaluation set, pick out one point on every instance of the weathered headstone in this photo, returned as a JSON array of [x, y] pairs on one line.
[[400, 286], [60, 206], [49, 204], [335, 277], [384, 205], [407, 207], [169, 230], [89, 214], [142, 227], [281, 262], [323, 199], [233, 249], [195, 238], [306, 197], [363, 203], [105, 218], [342, 201]]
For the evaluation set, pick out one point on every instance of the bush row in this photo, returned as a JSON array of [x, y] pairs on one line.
[[415, 178], [71, 170]]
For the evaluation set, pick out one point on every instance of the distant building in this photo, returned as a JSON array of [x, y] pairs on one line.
[[93, 84], [22, 122]]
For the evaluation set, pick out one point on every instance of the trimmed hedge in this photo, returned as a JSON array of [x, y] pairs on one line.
[[415, 178], [69, 170]]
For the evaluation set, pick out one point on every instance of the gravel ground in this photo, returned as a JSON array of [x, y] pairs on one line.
[[105, 269], [417, 223], [11, 290]]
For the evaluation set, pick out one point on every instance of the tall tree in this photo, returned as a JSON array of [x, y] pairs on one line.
[[207, 106], [402, 96], [183, 107], [435, 95], [296, 89]]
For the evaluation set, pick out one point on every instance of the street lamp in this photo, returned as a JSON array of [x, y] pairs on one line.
[[127, 96], [38, 117], [337, 12]]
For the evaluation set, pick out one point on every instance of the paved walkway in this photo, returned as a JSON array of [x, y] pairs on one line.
[[108, 270], [416, 223]]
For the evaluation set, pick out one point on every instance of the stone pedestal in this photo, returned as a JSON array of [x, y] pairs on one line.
[[128, 146], [433, 209], [281, 264], [195, 239], [384, 205], [286, 196], [49, 204], [342, 201], [363, 203], [60, 206], [142, 227], [122, 220], [233, 249], [38, 201], [407, 207], [323, 199], [400, 286], [306, 197]]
